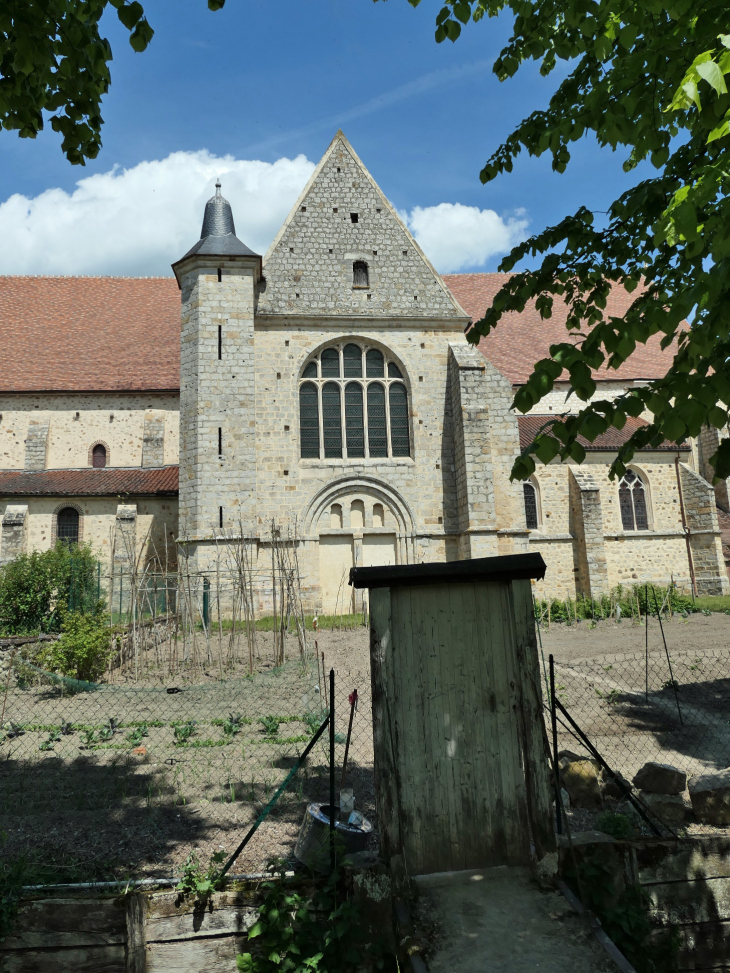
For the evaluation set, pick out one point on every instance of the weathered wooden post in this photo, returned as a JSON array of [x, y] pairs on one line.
[[461, 754]]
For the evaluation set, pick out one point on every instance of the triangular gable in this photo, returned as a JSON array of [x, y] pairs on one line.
[[308, 269]]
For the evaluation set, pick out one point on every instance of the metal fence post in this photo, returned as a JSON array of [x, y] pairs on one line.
[[206, 604], [554, 717], [332, 770]]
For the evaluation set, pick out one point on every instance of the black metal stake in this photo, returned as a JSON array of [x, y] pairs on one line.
[[669, 661], [646, 636], [332, 771], [553, 714], [279, 791]]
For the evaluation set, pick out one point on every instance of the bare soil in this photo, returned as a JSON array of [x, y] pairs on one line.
[[107, 812]]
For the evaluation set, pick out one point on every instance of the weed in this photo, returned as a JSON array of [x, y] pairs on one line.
[[232, 726], [312, 721], [88, 737], [199, 882], [706, 612], [182, 733], [108, 730], [135, 738], [53, 737], [619, 826], [612, 696], [11, 730], [270, 725]]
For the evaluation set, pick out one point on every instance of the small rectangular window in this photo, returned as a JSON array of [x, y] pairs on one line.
[[220, 341], [354, 217], [220, 516], [220, 275], [220, 441]]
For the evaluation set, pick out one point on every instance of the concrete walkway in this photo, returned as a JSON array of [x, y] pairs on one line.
[[499, 920]]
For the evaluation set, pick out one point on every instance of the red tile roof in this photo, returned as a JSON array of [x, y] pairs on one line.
[[89, 334], [519, 340], [98, 334], [158, 482], [609, 441]]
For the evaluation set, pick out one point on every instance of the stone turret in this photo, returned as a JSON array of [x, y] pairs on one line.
[[218, 277]]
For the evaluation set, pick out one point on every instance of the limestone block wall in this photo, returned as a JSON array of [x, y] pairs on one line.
[[557, 400], [708, 443], [217, 396], [75, 422], [156, 523], [588, 548], [153, 438], [36, 443], [13, 538], [631, 557], [705, 541]]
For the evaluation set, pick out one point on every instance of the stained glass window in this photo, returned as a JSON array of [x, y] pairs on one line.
[[331, 420], [399, 420], [376, 416], [309, 420], [377, 429], [354, 425]]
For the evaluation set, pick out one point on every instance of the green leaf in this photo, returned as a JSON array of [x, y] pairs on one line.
[[710, 71], [256, 930]]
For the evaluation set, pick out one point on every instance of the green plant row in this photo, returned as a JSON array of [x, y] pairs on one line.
[[631, 601]]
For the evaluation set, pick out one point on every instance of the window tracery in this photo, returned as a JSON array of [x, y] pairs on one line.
[[353, 404]]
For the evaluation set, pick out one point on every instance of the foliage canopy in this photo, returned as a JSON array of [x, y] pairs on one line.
[[648, 77], [54, 61]]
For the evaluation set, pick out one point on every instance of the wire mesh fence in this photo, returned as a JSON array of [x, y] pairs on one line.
[[127, 775], [668, 706]]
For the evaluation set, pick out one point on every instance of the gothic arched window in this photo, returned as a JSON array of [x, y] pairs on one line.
[[530, 494], [353, 404], [67, 525], [632, 502]]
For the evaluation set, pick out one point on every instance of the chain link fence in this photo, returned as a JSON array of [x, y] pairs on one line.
[[125, 776]]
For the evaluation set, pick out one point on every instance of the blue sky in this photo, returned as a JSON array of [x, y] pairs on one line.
[[268, 82]]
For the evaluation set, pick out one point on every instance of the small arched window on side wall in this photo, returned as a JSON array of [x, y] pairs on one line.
[[532, 518], [360, 276], [98, 456], [67, 525], [632, 502]]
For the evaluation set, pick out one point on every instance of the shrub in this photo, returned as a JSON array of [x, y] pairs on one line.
[[34, 588], [619, 826], [83, 650]]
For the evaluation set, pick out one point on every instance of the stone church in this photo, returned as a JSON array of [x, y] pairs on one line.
[[327, 386]]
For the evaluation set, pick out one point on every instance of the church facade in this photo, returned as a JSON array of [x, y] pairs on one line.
[[326, 389]]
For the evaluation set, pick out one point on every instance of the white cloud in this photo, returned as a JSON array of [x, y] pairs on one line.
[[137, 221], [457, 237]]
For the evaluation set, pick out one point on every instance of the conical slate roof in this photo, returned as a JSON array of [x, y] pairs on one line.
[[218, 235], [218, 219]]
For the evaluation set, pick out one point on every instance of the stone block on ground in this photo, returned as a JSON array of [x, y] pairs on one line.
[[669, 808], [580, 779], [710, 796], [611, 788], [660, 778]]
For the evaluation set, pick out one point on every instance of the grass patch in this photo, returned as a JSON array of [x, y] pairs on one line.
[[713, 603]]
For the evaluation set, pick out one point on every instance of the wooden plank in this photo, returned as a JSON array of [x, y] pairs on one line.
[[690, 902], [174, 904], [684, 858], [136, 915], [194, 956], [496, 854], [93, 959], [68, 923], [385, 765], [201, 922], [447, 719], [536, 751], [513, 788]]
